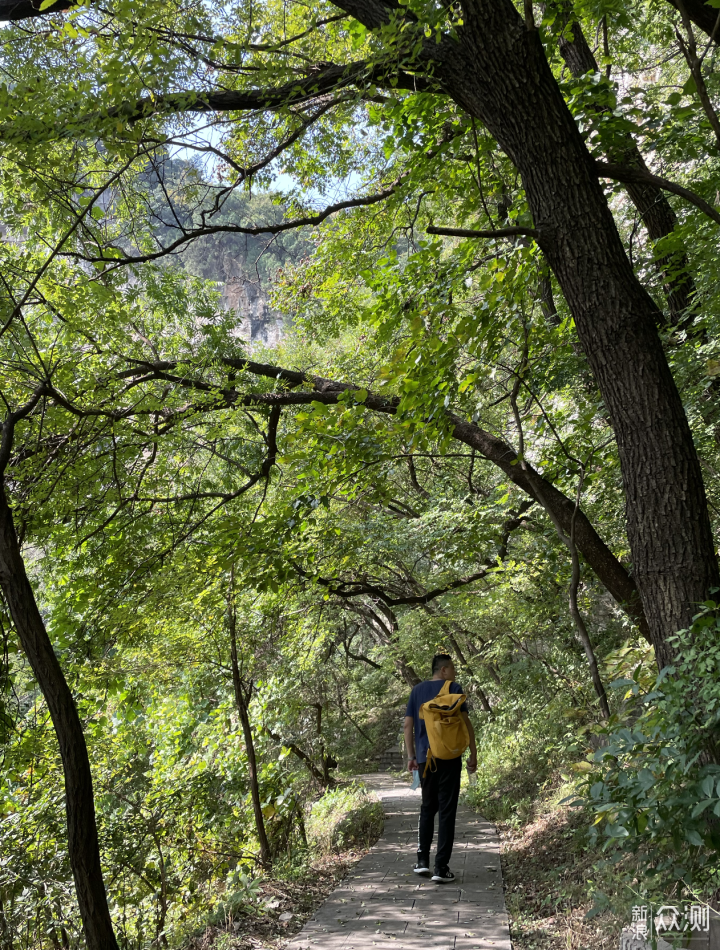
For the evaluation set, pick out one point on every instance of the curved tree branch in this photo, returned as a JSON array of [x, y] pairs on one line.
[[628, 175], [606, 566]]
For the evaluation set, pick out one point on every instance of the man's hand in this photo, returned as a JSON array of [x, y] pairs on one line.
[[472, 762], [409, 730]]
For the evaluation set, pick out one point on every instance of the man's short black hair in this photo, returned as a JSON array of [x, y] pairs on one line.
[[440, 660]]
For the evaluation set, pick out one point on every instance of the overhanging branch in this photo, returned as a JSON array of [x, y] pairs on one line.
[[492, 233], [193, 234], [317, 389], [324, 79], [629, 175]]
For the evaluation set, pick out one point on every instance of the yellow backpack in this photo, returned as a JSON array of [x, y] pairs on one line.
[[446, 729]]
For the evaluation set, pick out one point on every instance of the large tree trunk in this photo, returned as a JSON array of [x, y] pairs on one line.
[[702, 14], [83, 846], [498, 73]]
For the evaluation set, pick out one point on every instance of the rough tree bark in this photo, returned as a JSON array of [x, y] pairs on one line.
[[702, 15], [83, 845], [502, 77]]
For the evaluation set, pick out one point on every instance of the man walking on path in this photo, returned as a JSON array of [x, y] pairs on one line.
[[441, 785]]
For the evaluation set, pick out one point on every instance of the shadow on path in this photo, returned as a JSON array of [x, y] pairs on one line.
[[385, 906]]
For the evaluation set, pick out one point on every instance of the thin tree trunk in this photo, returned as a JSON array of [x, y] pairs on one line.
[[163, 896], [328, 762], [569, 541], [83, 845], [6, 937], [296, 750], [482, 696], [241, 701], [581, 627]]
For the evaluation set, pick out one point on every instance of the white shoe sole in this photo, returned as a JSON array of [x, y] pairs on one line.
[[443, 880], [425, 871]]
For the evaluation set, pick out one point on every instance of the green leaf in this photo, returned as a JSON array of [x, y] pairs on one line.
[[617, 831], [700, 807]]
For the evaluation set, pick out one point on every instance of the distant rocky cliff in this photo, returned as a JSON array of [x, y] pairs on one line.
[[259, 322], [242, 265]]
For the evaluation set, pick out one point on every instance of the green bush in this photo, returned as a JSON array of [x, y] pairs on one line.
[[655, 785], [346, 817], [519, 754]]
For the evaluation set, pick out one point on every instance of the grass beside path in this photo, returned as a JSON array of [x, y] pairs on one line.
[[562, 892], [282, 909], [342, 825]]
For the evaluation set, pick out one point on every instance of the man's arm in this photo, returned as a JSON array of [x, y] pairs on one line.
[[410, 742], [472, 759]]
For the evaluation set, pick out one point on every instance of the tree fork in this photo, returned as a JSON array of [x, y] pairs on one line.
[[655, 209]]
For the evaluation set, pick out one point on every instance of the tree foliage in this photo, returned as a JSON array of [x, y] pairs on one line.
[[490, 427]]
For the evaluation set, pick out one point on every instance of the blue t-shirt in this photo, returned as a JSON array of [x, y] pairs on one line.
[[423, 693]]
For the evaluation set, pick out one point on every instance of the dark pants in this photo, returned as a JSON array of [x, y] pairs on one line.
[[440, 790]]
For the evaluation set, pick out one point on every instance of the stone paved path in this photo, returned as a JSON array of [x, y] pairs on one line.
[[385, 906]]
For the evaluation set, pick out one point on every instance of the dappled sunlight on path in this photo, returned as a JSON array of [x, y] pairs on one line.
[[384, 905]]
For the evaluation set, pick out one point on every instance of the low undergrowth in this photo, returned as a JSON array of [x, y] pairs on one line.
[[560, 892], [343, 818], [599, 818], [266, 910], [561, 889], [280, 909]]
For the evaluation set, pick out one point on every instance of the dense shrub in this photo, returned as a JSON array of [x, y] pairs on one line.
[[655, 785]]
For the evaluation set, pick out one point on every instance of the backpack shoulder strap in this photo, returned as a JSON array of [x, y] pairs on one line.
[[445, 688]]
